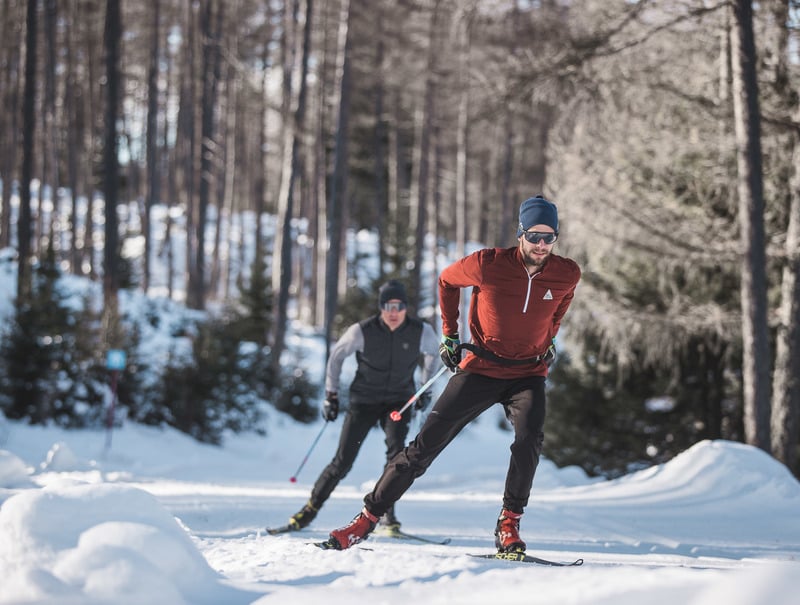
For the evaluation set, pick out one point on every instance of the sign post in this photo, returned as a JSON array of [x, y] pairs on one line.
[[115, 361]]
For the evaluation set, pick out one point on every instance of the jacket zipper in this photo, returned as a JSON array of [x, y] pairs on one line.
[[528, 295]]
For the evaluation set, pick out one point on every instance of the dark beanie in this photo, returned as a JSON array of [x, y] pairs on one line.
[[392, 290], [537, 211]]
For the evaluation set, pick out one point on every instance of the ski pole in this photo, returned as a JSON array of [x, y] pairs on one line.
[[293, 478], [397, 414]]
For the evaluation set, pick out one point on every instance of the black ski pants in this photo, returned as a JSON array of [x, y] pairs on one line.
[[466, 397], [358, 421]]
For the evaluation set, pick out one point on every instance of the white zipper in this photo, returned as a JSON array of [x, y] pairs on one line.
[[528, 295]]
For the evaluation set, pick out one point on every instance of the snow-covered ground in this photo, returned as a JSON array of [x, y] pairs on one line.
[[160, 518]]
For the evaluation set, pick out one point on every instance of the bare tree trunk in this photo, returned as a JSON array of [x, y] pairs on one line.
[[462, 136], [393, 166], [425, 118], [74, 137], [225, 191], [319, 170], [786, 385], [187, 134], [507, 201], [229, 193], [286, 201], [219, 158], [93, 50], [49, 131], [151, 142], [260, 185], [786, 376], [338, 192], [9, 119], [28, 137], [171, 157], [379, 142], [286, 44], [113, 35], [210, 29], [755, 336], [285, 147]]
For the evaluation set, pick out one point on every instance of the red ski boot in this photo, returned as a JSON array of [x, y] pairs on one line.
[[356, 531], [506, 533]]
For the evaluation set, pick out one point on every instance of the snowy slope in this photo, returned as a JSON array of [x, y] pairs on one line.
[[160, 518]]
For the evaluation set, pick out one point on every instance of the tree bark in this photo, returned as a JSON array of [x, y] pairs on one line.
[[28, 138], [338, 190], [786, 374], [113, 35], [462, 136], [210, 28], [187, 135], [151, 141], [786, 386], [286, 201], [50, 132], [755, 336], [379, 143], [419, 196], [9, 119]]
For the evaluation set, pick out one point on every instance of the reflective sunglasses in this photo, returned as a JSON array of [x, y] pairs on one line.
[[393, 306], [535, 237]]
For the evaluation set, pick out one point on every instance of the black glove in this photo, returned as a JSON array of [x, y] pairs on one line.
[[449, 352], [550, 354], [423, 401], [330, 407]]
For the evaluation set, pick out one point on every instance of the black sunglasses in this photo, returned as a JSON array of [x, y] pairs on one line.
[[535, 237], [393, 306]]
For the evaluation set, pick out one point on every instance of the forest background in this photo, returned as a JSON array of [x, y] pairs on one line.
[[666, 131]]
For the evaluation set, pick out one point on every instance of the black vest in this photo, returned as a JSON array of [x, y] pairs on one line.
[[386, 366]]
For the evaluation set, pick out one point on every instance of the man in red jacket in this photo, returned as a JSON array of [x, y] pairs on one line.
[[519, 297]]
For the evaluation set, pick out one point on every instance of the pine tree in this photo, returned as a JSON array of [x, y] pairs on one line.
[[38, 357]]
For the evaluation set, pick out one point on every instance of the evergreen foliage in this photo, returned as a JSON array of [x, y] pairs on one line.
[[611, 419], [254, 321], [47, 373], [53, 369]]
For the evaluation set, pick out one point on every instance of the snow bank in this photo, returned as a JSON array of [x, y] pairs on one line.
[[99, 543]]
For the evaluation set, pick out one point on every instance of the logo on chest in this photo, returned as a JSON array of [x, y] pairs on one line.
[[548, 295]]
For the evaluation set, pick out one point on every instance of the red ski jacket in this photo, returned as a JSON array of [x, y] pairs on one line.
[[512, 314]]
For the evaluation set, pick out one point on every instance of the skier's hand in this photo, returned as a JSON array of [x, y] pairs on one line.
[[330, 407], [423, 401], [449, 351], [550, 354]]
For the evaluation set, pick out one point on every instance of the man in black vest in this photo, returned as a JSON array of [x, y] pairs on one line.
[[387, 348]]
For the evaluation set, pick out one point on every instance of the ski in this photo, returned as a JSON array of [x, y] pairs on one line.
[[328, 545], [401, 535], [516, 557], [283, 529], [521, 557], [382, 533]]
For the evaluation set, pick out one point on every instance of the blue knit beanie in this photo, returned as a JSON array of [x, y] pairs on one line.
[[537, 211]]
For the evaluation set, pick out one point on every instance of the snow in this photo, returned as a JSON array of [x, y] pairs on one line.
[[157, 517], [160, 518]]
